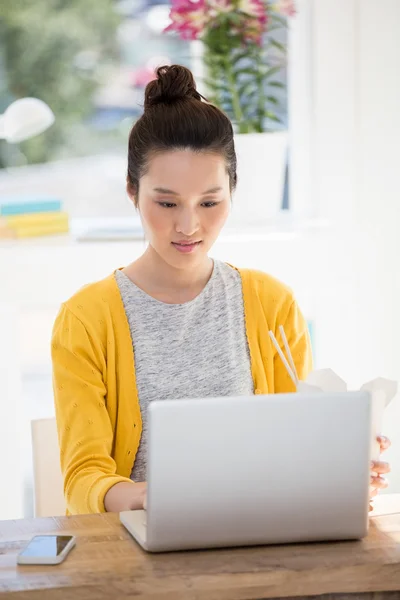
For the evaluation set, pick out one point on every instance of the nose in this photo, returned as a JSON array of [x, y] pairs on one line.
[[187, 222]]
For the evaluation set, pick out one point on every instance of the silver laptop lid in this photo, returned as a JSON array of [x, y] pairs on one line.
[[259, 469]]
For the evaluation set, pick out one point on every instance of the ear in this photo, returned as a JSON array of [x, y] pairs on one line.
[[131, 191]]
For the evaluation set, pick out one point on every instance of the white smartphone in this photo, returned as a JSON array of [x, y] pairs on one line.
[[46, 550]]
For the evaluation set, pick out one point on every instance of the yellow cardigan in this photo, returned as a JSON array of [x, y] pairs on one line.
[[96, 399]]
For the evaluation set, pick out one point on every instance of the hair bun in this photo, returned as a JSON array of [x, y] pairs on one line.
[[173, 83]]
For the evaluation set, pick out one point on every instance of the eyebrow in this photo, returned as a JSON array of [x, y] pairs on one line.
[[162, 190]]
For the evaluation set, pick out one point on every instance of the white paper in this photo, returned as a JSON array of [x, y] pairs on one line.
[[382, 391]]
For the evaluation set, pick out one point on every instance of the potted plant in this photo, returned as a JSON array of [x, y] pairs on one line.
[[243, 57]]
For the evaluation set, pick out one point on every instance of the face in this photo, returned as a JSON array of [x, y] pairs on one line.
[[184, 201]]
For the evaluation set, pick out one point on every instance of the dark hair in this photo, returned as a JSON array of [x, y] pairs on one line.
[[177, 117]]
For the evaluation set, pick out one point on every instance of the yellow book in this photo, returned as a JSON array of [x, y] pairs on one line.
[[33, 219], [34, 230]]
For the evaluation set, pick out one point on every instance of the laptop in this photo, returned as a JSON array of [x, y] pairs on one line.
[[241, 471]]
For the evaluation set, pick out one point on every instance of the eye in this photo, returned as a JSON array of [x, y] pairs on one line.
[[167, 204], [209, 204]]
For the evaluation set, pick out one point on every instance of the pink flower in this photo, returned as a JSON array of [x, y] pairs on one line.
[[191, 18], [254, 8], [142, 76], [286, 7], [218, 7], [188, 18], [253, 21]]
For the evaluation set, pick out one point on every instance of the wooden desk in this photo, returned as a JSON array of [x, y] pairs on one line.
[[107, 564]]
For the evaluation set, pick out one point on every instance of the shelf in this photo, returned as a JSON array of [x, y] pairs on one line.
[[123, 230]]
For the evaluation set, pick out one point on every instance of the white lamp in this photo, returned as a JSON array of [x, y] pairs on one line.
[[24, 119]]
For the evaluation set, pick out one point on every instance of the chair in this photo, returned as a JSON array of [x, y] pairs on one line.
[[48, 480]]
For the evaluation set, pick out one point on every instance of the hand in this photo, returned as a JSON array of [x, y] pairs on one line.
[[140, 498], [126, 496], [378, 469]]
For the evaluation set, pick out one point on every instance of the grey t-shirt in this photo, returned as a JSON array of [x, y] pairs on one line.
[[191, 350]]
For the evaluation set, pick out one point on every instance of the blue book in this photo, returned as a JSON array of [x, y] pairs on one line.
[[28, 205]]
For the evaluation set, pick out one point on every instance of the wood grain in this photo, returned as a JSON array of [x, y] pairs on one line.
[[107, 563]]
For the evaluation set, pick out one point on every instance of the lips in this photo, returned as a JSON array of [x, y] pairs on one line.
[[186, 247], [186, 242]]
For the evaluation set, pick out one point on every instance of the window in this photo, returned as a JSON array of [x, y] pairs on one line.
[[90, 66]]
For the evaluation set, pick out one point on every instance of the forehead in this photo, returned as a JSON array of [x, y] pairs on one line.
[[184, 166]]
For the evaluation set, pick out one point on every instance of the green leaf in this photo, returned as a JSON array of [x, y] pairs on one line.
[[269, 71], [218, 87], [251, 71], [275, 18], [277, 84], [247, 89], [277, 45], [272, 117], [258, 126], [273, 100], [237, 57], [272, 27], [247, 126], [235, 18]]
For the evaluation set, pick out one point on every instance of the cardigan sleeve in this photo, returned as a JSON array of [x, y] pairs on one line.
[[297, 334], [84, 427]]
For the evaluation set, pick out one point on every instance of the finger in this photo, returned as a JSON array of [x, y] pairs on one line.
[[373, 492], [371, 507], [379, 482], [384, 442], [380, 467]]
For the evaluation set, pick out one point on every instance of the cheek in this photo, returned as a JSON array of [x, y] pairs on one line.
[[216, 217], [153, 219]]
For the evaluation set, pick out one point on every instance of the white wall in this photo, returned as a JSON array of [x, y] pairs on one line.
[[300, 108], [12, 424], [377, 210], [356, 133]]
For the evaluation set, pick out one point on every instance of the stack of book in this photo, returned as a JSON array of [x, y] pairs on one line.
[[31, 217]]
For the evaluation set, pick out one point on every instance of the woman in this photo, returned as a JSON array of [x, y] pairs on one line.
[[174, 323]]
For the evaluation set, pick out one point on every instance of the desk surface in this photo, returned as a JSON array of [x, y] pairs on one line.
[[107, 564]]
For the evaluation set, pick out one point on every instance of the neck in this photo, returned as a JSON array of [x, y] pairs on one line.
[[159, 276]]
